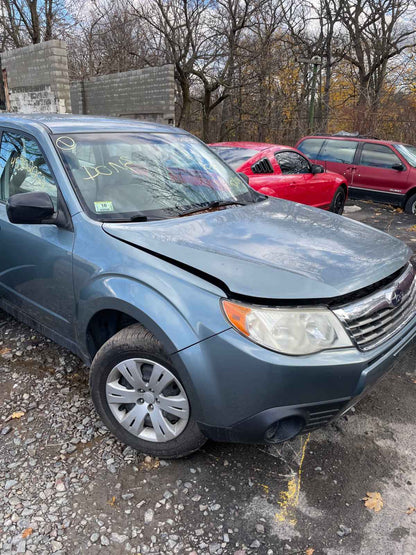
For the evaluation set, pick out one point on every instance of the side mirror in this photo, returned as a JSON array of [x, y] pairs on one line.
[[317, 168], [30, 208], [398, 167], [243, 176]]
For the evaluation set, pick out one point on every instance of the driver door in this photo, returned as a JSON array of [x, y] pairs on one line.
[[35, 260], [307, 188]]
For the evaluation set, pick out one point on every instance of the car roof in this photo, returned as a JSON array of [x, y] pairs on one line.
[[71, 123], [252, 145], [360, 139]]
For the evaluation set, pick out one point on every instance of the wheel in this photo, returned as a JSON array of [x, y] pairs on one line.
[[410, 206], [138, 395], [338, 201]]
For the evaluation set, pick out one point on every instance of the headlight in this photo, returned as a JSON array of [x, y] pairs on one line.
[[292, 331]]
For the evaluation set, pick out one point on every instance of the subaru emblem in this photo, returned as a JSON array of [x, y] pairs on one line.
[[396, 297]]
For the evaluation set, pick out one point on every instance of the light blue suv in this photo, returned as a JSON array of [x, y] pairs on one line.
[[204, 309]]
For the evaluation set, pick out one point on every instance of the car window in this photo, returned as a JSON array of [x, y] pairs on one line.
[[378, 156], [311, 147], [408, 152], [235, 157], [292, 162], [86, 155], [338, 151], [23, 167], [119, 176]]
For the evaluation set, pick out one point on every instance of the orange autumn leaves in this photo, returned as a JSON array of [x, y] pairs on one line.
[[27, 532], [17, 414], [373, 501]]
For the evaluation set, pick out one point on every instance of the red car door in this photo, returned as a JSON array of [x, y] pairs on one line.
[[280, 186], [380, 169], [308, 188]]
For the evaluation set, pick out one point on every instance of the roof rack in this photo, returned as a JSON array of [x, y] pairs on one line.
[[353, 135]]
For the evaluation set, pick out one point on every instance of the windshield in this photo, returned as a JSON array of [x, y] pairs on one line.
[[152, 175], [235, 157], [408, 152]]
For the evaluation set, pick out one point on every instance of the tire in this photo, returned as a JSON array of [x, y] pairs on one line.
[[338, 201], [132, 381], [410, 206]]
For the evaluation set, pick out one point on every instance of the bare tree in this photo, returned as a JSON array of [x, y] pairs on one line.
[[177, 31], [378, 31], [238, 63], [224, 38], [107, 39], [330, 46], [31, 21]]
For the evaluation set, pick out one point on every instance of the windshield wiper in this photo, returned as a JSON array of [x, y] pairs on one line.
[[143, 218], [136, 218], [210, 206]]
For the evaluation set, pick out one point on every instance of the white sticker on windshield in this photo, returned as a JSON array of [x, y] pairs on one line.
[[104, 206]]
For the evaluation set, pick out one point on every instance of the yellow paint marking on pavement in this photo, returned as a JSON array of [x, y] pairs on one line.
[[265, 488], [289, 498]]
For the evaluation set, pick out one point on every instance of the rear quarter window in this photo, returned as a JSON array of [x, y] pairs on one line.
[[311, 147]]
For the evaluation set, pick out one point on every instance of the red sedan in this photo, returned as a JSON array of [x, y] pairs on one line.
[[284, 172]]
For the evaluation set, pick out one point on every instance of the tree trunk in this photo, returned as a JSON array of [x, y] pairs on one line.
[[184, 119], [326, 97], [363, 108], [206, 116], [225, 118], [48, 19], [36, 31]]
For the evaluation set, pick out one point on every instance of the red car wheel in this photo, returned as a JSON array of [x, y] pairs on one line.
[[338, 201]]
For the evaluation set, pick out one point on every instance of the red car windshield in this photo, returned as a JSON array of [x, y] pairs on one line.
[[234, 156], [408, 152]]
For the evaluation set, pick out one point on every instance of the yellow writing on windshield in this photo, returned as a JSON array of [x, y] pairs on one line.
[[123, 164], [65, 143], [21, 163]]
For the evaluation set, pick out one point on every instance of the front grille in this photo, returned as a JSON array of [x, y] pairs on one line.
[[377, 317]]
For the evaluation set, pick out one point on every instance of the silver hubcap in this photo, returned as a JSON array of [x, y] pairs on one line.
[[147, 400]]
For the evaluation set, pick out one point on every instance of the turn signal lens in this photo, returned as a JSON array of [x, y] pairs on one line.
[[236, 314]]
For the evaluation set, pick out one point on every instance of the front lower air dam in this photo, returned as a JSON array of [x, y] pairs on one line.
[[284, 429]]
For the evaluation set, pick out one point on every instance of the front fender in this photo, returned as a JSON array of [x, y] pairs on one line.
[[177, 321]]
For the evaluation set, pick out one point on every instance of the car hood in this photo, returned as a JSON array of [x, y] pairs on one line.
[[273, 249]]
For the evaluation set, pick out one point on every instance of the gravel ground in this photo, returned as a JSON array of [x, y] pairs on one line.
[[68, 487]]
